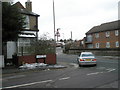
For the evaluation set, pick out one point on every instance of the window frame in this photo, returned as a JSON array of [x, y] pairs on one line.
[[23, 43], [27, 21], [107, 44], [116, 33], [117, 43], [107, 33], [97, 45], [89, 38], [96, 35]]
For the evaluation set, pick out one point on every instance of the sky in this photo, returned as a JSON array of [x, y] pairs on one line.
[[76, 16]]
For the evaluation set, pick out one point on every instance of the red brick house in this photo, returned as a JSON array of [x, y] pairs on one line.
[[29, 35], [106, 35], [30, 32]]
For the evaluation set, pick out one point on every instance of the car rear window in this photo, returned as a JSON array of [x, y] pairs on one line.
[[87, 55]]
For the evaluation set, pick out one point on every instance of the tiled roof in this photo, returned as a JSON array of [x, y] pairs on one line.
[[25, 11], [105, 27]]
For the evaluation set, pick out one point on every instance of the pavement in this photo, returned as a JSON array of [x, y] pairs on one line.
[[13, 69]]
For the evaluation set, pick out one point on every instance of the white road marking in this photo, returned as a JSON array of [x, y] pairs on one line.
[[94, 73], [33, 83], [110, 69], [104, 68], [18, 76], [27, 84], [64, 78]]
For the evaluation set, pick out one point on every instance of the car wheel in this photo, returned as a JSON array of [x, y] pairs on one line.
[[80, 65]]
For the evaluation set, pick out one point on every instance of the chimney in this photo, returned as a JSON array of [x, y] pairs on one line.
[[28, 5]]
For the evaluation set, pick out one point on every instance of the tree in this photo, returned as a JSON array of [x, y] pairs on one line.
[[61, 40], [12, 22], [42, 46]]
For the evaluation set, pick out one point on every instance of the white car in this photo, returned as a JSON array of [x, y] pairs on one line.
[[86, 58]]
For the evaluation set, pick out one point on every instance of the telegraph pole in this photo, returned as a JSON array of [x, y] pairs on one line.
[[54, 26], [71, 35], [54, 20]]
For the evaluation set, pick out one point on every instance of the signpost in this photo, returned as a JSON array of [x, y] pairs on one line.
[[57, 33], [40, 57]]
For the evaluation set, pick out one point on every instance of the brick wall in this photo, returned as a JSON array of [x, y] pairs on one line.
[[26, 59], [50, 59], [33, 22], [98, 52]]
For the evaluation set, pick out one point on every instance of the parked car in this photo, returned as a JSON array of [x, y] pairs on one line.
[[86, 58]]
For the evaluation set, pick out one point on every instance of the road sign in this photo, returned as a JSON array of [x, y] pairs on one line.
[[40, 56]]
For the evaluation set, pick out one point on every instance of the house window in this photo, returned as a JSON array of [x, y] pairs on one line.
[[82, 42], [107, 34], [116, 33], [117, 44], [107, 44], [89, 38], [96, 35], [27, 21], [97, 45], [90, 45], [23, 45]]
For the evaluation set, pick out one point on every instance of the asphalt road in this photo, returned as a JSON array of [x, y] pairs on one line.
[[104, 75]]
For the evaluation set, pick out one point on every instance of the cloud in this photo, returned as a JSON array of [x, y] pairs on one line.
[[77, 16]]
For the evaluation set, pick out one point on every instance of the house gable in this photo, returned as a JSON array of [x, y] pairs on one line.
[[24, 10], [19, 5]]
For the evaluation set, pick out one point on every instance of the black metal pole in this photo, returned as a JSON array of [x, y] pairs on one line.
[[22, 51]]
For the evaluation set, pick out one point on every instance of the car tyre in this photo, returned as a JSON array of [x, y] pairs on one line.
[[80, 65]]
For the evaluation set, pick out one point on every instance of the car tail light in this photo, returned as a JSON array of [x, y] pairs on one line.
[[82, 60], [94, 60]]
